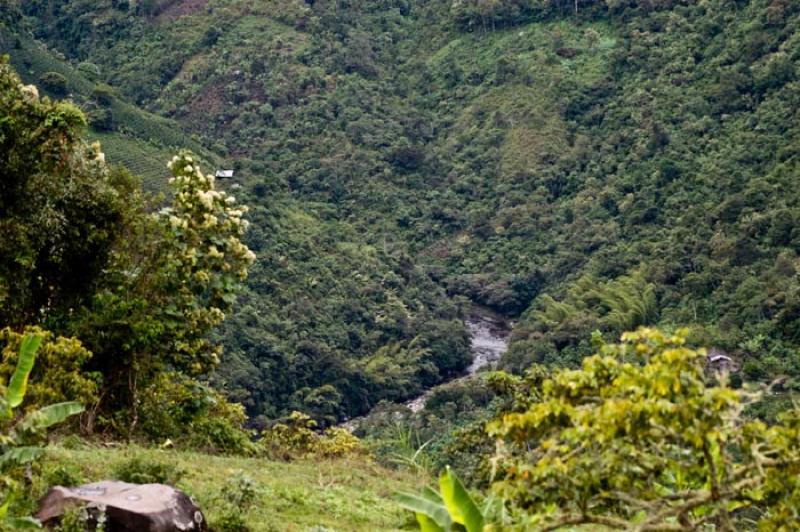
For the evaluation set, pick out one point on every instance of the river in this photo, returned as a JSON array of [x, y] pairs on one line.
[[488, 337]]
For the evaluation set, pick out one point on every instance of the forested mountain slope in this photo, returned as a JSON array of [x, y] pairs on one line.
[[634, 162]]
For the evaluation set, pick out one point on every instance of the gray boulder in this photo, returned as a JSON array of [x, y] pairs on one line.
[[126, 507]]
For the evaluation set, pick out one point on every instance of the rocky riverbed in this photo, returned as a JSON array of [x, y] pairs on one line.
[[488, 335]]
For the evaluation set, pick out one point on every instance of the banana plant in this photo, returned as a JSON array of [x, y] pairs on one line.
[[450, 510], [15, 434]]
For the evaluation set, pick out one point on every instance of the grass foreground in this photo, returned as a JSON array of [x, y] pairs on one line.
[[314, 494]]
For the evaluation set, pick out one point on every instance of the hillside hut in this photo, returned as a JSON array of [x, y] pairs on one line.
[[718, 361]]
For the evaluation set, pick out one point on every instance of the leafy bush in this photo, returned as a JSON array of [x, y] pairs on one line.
[[639, 437], [236, 497], [139, 471], [296, 437], [194, 415], [54, 82], [336, 441]]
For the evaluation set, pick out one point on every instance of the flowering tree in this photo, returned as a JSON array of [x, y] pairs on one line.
[[173, 276], [207, 261], [83, 255]]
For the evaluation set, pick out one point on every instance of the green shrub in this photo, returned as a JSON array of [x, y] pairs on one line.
[[234, 500], [101, 119], [293, 437], [66, 475], [640, 437], [336, 441], [139, 471], [54, 82], [103, 94], [90, 70], [296, 437], [194, 415]]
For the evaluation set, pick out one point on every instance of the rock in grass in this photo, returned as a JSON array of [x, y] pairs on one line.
[[126, 507]]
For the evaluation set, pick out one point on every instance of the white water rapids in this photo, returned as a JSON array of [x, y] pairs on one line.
[[488, 336]]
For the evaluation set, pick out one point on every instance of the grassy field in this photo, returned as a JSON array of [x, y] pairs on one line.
[[331, 495]]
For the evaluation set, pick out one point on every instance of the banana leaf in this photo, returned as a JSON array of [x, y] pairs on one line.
[[19, 380], [434, 513], [20, 455], [50, 415], [459, 503]]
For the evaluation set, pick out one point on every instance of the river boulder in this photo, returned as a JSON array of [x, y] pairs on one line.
[[125, 507]]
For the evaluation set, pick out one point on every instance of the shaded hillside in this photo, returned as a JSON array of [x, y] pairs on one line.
[[632, 163]]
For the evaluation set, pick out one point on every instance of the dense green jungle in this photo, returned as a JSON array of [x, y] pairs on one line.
[[257, 229]]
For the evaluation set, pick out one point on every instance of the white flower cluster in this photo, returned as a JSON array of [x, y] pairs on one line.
[[178, 223], [240, 249], [98, 152], [210, 215], [173, 161], [207, 198], [30, 92], [209, 221]]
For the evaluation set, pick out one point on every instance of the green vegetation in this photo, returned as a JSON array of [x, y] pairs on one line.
[[132, 137], [518, 151], [127, 297], [18, 436], [582, 167], [638, 438], [335, 494], [296, 437]]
